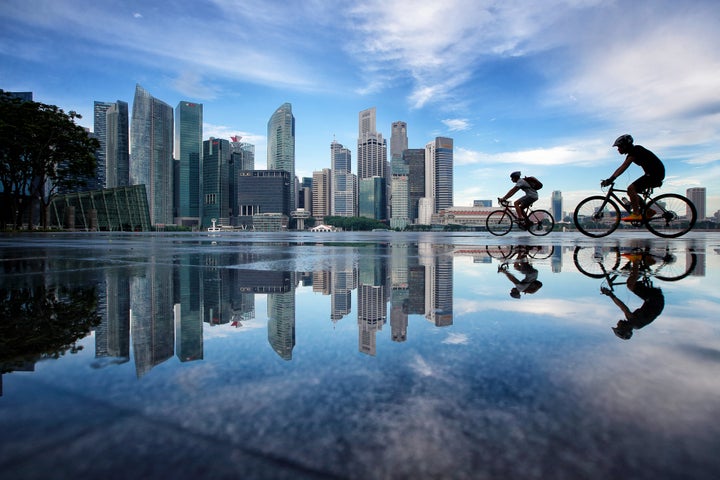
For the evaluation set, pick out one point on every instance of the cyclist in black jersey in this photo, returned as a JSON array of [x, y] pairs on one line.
[[651, 165]]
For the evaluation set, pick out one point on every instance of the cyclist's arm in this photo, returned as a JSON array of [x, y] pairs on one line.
[[510, 193], [621, 168]]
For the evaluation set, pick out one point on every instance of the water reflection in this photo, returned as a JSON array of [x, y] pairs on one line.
[[635, 268], [164, 300]]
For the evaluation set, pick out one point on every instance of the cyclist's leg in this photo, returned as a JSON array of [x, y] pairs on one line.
[[522, 204]]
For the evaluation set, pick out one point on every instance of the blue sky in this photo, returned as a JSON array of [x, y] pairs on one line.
[[543, 87]]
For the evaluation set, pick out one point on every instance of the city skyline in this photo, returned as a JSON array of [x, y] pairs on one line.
[[543, 88]]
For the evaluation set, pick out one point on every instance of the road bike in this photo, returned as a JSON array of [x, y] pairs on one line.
[[609, 262], [668, 215], [500, 222]]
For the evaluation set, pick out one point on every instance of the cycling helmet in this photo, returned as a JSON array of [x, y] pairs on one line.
[[623, 330], [515, 175], [623, 141]]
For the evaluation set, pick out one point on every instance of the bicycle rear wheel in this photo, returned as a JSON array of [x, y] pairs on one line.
[[674, 215], [596, 216], [499, 222], [541, 222], [596, 262], [673, 268]]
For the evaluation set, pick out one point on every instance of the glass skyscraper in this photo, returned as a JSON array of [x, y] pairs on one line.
[[439, 172], [117, 149], [100, 130], [151, 159], [216, 182], [343, 181], [281, 147], [188, 152]]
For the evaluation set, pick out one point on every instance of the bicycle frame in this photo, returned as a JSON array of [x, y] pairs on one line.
[[667, 215]]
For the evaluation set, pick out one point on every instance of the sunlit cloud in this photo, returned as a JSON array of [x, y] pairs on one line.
[[456, 124]]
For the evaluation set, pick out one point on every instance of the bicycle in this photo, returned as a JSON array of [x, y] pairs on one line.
[[500, 222], [604, 262], [668, 215]]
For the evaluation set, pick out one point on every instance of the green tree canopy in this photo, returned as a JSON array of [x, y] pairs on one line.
[[41, 151]]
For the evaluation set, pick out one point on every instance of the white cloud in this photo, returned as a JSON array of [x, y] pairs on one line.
[[457, 124]]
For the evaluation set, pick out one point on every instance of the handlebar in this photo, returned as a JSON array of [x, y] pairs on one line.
[[503, 203]]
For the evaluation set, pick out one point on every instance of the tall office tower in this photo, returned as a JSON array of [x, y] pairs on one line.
[[344, 183], [399, 192], [321, 193], [281, 147], [415, 159], [398, 140], [372, 200], [305, 194], [188, 308], [151, 153], [556, 202], [216, 182], [188, 154], [371, 150], [100, 130], [260, 192], [697, 196], [117, 147], [439, 174]]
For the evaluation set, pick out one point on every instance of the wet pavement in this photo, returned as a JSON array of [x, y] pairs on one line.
[[359, 355]]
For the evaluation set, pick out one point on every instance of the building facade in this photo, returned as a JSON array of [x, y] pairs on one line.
[[261, 192], [321, 193], [151, 158], [117, 146], [188, 154], [698, 195], [216, 182], [281, 147], [344, 184], [556, 203]]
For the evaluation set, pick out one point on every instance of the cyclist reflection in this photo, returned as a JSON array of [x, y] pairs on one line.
[[529, 282], [653, 298]]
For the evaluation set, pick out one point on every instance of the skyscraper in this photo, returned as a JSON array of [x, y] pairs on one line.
[[100, 130], [188, 153], [281, 147], [372, 148], [117, 149], [216, 182], [151, 159], [439, 173], [372, 159], [398, 139], [415, 159], [344, 183], [697, 196], [321, 193], [556, 205]]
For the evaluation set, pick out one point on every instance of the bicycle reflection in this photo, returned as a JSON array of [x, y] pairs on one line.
[[640, 266], [521, 255]]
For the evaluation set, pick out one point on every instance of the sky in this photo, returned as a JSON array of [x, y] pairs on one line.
[[541, 87]]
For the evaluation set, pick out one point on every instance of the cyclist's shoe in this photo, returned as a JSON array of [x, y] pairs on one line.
[[523, 224], [633, 217], [633, 257], [649, 213]]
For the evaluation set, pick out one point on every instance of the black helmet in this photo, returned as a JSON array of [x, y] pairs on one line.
[[515, 174], [623, 330], [623, 141]]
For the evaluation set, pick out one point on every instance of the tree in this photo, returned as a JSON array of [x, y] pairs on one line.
[[41, 151]]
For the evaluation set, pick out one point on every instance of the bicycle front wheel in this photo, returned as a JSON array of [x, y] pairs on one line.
[[499, 222], [597, 216], [672, 215], [541, 222], [596, 262], [499, 252]]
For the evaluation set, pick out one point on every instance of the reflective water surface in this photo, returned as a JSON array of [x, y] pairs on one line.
[[359, 355]]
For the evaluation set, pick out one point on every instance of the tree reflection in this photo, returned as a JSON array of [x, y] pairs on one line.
[[44, 322]]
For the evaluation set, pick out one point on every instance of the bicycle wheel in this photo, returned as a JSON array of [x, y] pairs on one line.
[[674, 269], [596, 262], [499, 252], [596, 216], [674, 215], [541, 222], [499, 222], [541, 252]]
